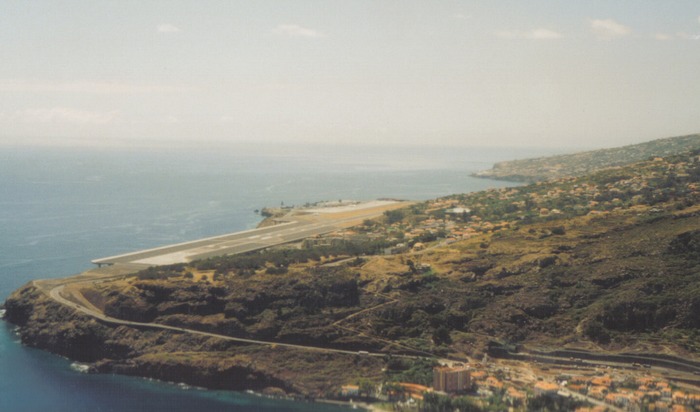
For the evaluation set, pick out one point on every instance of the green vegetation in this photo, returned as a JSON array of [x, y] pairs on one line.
[[393, 216], [407, 370], [648, 183], [433, 402], [248, 263], [555, 404]]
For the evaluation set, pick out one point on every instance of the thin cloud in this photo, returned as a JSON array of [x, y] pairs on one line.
[[687, 36], [663, 36], [544, 34], [609, 29], [678, 35], [59, 115], [294, 30], [536, 34], [461, 16], [88, 87], [167, 28]]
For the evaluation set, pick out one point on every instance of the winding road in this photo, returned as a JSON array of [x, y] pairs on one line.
[[57, 294]]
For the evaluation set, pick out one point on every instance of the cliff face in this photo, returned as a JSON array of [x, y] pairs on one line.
[[211, 372], [48, 325], [172, 356]]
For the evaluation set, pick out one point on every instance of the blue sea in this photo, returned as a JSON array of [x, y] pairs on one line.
[[60, 208]]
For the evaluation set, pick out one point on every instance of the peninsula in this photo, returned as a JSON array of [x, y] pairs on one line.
[[583, 163]]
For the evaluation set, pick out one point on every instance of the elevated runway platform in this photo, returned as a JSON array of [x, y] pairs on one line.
[[299, 224]]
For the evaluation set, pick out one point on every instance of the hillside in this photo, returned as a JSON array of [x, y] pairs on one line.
[[607, 262], [580, 164]]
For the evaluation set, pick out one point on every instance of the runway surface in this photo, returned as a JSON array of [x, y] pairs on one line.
[[299, 224]]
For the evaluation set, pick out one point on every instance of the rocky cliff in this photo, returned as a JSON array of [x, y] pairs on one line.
[[178, 357]]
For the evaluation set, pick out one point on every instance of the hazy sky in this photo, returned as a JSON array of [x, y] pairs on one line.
[[569, 73]]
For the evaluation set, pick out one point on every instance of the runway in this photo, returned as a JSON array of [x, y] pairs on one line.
[[297, 225]]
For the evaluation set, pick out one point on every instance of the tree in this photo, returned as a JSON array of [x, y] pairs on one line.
[[432, 402], [558, 230], [367, 387], [464, 404], [393, 216], [412, 266], [554, 403], [442, 335]]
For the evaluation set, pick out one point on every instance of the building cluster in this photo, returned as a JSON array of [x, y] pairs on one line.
[[604, 392], [408, 391], [456, 223], [349, 391], [460, 379], [653, 182], [642, 393], [486, 383]]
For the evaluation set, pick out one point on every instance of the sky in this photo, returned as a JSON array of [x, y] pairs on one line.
[[598, 73]]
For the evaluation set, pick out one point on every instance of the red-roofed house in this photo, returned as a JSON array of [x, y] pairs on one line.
[[546, 388]]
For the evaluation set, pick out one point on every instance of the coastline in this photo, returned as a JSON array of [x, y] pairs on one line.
[[39, 251], [38, 297], [40, 322], [79, 324]]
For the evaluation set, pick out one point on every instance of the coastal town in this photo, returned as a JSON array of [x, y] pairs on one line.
[[511, 385]]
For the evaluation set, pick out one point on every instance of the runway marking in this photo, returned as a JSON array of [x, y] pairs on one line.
[[241, 242]]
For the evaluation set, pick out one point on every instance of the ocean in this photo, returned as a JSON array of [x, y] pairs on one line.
[[60, 208]]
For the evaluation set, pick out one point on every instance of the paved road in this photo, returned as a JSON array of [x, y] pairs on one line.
[[670, 369], [56, 294], [55, 288]]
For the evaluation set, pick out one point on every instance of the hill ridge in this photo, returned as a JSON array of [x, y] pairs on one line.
[[583, 163]]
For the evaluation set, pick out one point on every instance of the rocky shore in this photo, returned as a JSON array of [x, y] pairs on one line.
[[166, 355]]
